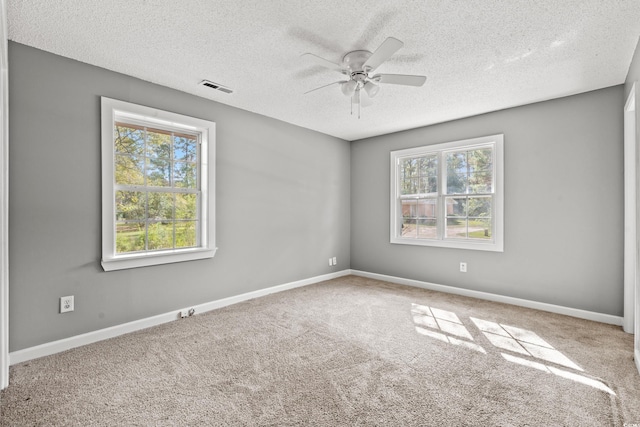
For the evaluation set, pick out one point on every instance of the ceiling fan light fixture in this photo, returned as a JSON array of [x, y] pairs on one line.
[[348, 88], [371, 88]]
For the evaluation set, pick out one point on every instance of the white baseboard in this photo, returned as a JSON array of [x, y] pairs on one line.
[[114, 331], [574, 312]]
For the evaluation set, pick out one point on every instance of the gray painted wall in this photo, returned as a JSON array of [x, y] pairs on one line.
[[563, 205], [282, 203]]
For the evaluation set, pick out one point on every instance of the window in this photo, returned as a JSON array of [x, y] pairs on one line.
[[157, 189], [449, 195]]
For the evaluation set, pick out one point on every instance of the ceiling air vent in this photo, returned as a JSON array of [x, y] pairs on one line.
[[216, 86]]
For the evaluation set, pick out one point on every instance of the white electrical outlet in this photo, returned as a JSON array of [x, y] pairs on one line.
[[330, 262], [335, 261], [66, 304], [463, 267]]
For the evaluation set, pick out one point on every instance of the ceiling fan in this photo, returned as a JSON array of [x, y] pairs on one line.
[[358, 65]]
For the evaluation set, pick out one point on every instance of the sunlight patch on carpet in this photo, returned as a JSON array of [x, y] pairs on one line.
[[450, 340], [559, 372], [446, 326], [522, 341], [444, 320]]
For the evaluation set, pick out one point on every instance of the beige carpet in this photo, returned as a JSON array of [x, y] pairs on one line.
[[350, 351]]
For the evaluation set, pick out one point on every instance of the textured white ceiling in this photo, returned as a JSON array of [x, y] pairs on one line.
[[478, 55]]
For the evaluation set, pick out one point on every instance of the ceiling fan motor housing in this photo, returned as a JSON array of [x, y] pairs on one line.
[[354, 61]]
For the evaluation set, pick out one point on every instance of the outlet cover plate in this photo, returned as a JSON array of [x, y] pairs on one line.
[[66, 304]]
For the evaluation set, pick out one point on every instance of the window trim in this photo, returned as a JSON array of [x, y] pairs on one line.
[[497, 243], [167, 120]]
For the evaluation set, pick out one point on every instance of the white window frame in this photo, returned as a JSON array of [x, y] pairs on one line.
[[112, 108], [496, 243]]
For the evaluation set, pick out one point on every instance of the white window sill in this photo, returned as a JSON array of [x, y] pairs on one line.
[[123, 262], [461, 244]]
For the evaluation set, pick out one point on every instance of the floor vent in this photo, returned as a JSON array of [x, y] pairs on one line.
[[216, 86]]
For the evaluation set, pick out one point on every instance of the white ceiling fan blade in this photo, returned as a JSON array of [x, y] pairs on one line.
[[316, 60], [384, 52], [400, 79], [330, 84]]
